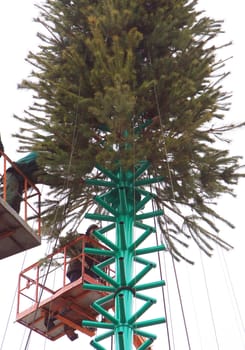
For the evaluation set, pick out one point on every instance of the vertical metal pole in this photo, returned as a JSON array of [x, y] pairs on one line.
[[124, 199], [124, 274]]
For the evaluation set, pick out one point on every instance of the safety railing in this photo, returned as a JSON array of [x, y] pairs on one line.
[[46, 277], [31, 196]]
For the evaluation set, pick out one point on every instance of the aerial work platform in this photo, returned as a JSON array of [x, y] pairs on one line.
[[15, 234], [45, 293], [68, 306]]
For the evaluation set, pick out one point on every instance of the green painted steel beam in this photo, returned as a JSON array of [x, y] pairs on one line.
[[104, 299], [97, 346], [144, 261], [145, 297], [141, 311], [105, 205], [108, 173], [105, 263], [122, 235], [145, 193], [102, 252], [97, 182], [145, 334], [100, 217], [149, 215], [104, 336], [149, 181], [123, 201], [94, 324], [140, 275], [99, 287], [105, 229], [106, 241], [146, 344], [104, 313], [140, 240], [141, 168], [108, 278], [149, 285], [149, 323], [123, 314], [143, 202], [122, 271], [121, 340], [150, 250], [142, 226]]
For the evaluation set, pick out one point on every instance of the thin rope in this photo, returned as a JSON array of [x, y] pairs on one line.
[[194, 307], [161, 276], [229, 283], [168, 295], [178, 287], [12, 305], [181, 304], [23, 337], [74, 138], [173, 195], [163, 294], [209, 301], [13, 302], [45, 276], [111, 342], [164, 142], [172, 189], [44, 279]]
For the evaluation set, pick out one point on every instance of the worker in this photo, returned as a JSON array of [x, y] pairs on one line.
[[15, 180], [49, 322], [74, 270], [1, 147]]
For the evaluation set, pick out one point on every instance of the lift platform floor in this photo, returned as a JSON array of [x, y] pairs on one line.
[[15, 234], [68, 306]]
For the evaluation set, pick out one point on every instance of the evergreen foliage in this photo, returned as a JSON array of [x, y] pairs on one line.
[[117, 82]]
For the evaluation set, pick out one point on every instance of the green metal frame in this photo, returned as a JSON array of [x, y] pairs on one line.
[[123, 199]]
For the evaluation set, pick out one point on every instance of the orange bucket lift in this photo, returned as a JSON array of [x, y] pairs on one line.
[[15, 234], [49, 295]]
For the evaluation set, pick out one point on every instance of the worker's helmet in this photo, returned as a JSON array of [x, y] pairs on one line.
[[91, 229]]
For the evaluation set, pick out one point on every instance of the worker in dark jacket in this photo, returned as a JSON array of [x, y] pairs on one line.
[[1, 147], [74, 270], [16, 182]]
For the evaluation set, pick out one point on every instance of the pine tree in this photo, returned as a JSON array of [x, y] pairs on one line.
[[118, 82]]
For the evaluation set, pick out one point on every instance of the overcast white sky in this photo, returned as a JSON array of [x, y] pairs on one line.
[[223, 273]]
